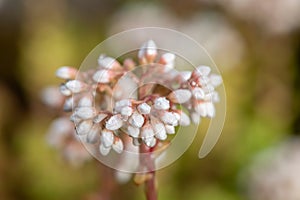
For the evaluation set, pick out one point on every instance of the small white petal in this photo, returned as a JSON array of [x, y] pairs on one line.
[[104, 150], [66, 72], [136, 120], [198, 93], [133, 131], [118, 145], [64, 90], [85, 112], [186, 75], [184, 119], [170, 129], [161, 103], [210, 108], [160, 131], [85, 101], [84, 127], [68, 105], [107, 138], [215, 80], [93, 134], [144, 108], [52, 97], [115, 122], [126, 111], [147, 132], [180, 96], [201, 109], [75, 86], [195, 118], [102, 76], [98, 118], [107, 62], [203, 70], [148, 50], [169, 118]]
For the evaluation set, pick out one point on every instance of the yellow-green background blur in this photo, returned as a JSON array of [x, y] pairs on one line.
[[258, 55]]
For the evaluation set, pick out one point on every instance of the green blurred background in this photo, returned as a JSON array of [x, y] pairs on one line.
[[256, 45]]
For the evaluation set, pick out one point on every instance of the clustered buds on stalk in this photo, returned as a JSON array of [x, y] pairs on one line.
[[149, 118]]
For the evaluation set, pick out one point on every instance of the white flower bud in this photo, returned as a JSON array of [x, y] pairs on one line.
[[180, 96], [86, 101], [160, 131], [161, 103], [64, 90], [107, 138], [114, 123], [215, 80], [133, 131], [108, 62], [75, 86], [104, 150], [85, 112], [186, 75], [122, 103], [126, 111], [200, 108], [169, 118], [99, 118], [168, 60], [136, 120], [93, 134], [144, 108], [118, 145], [52, 97], [66, 72], [198, 93], [102, 76], [170, 129], [147, 132], [68, 105], [184, 119], [75, 119], [195, 118], [150, 141], [84, 127], [148, 51], [203, 70], [210, 108]]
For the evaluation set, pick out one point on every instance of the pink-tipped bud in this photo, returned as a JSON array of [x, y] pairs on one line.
[[161, 103], [144, 108], [167, 60], [118, 145], [147, 52], [107, 138], [114, 123], [108, 62], [66, 72], [76, 86], [180, 96]]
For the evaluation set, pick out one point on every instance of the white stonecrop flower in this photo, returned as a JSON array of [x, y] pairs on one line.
[[75, 86], [107, 138], [136, 120], [161, 103], [66, 72], [84, 127], [144, 108], [180, 95], [114, 123], [102, 76], [118, 145]]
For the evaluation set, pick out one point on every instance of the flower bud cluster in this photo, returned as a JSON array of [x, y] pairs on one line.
[[147, 119]]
